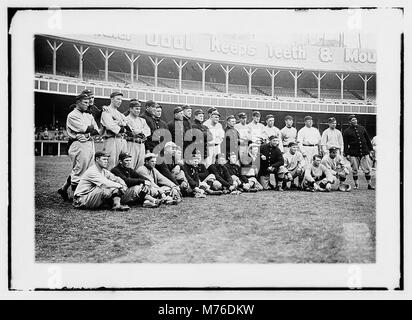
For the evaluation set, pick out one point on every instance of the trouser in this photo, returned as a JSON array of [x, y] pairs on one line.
[[363, 162], [135, 194], [212, 152], [95, 198], [279, 175], [113, 147], [297, 172], [81, 155], [137, 151], [321, 180], [309, 153]]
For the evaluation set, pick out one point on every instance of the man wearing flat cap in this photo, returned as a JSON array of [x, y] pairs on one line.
[[331, 137], [232, 138], [187, 115], [81, 126], [98, 186], [309, 140], [288, 132], [244, 136], [177, 129], [271, 130], [152, 117], [140, 131], [357, 149], [256, 128], [203, 131], [115, 129], [217, 134]]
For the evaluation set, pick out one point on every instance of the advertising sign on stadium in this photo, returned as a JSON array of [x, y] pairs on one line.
[[230, 49]]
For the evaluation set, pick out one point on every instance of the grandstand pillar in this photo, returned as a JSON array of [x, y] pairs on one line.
[[296, 74], [203, 67], [81, 53], [249, 74], [132, 60], [54, 47], [365, 85], [318, 77], [342, 78], [180, 66], [106, 55], [227, 71], [156, 63], [272, 76]]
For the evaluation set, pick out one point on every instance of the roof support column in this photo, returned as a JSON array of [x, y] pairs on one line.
[[106, 56], [365, 85], [203, 67], [81, 52], [318, 77], [155, 63], [296, 76], [342, 78], [227, 71], [250, 73], [272, 75], [180, 66], [132, 60], [54, 47]]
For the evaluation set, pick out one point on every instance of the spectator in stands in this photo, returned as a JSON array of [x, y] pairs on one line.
[[288, 133], [309, 140], [256, 128], [271, 130], [218, 134], [152, 116], [45, 134], [204, 133], [332, 137], [244, 135], [232, 138]]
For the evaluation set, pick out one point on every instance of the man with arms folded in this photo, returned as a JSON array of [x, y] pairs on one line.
[[98, 186]]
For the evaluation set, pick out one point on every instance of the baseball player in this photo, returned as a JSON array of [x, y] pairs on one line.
[[317, 176], [217, 134], [337, 166], [115, 128], [202, 131], [223, 180], [256, 128], [98, 186], [309, 140], [138, 189], [240, 181], [140, 132], [244, 135], [250, 166], [271, 163], [232, 138], [157, 126], [294, 163], [288, 133], [331, 137], [271, 130], [357, 149], [81, 126]]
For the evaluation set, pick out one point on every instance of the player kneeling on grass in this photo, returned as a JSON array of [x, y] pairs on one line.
[[317, 176], [98, 186], [271, 163], [139, 189], [338, 168], [294, 165], [250, 165], [223, 181], [199, 178], [240, 182], [161, 186]]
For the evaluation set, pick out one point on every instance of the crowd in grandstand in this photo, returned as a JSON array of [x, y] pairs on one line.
[[148, 161]]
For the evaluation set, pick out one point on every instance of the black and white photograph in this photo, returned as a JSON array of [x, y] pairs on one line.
[[221, 150]]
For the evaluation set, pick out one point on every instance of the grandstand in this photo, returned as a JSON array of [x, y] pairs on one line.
[[64, 66]]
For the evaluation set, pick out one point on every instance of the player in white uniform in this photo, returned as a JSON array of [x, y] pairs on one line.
[[294, 163], [288, 133], [218, 134], [271, 130], [256, 128], [332, 138], [244, 135], [338, 166], [309, 140]]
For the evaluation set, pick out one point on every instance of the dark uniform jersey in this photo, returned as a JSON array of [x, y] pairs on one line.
[[356, 141]]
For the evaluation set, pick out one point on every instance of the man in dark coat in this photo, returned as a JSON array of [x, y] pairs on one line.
[[204, 132], [357, 148], [224, 180], [232, 138], [152, 116]]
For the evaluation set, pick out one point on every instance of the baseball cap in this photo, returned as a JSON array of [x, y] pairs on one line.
[[215, 113], [333, 149], [270, 116], [308, 118], [134, 103], [82, 96], [291, 144], [149, 156], [88, 92], [115, 93], [255, 113], [273, 137], [149, 104], [210, 110], [351, 117], [124, 155], [177, 110], [230, 117], [198, 111], [331, 119], [242, 115], [99, 154], [186, 107], [288, 118]]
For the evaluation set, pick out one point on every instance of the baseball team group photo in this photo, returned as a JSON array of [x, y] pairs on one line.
[[205, 148]]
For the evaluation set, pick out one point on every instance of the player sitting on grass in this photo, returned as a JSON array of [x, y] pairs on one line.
[[240, 182], [294, 164], [223, 181], [338, 167], [250, 165], [98, 186], [199, 178], [139, 189], [162, 187], [317, 176]]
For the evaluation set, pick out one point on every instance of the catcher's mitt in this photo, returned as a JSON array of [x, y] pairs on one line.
[[345, 187]]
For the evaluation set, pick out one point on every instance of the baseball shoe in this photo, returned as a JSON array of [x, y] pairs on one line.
[[200, 195], [150, 204], [121, 208], [278, 188], [328, 187], [370, 187], [213, 192], [356, 187], [63, 194]]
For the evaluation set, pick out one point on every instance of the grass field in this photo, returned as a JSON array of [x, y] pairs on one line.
[[265, 227]]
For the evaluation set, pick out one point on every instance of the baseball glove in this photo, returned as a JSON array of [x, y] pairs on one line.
[[345, 187]]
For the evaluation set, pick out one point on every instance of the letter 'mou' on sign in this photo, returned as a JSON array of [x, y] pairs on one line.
[[357, 55]]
